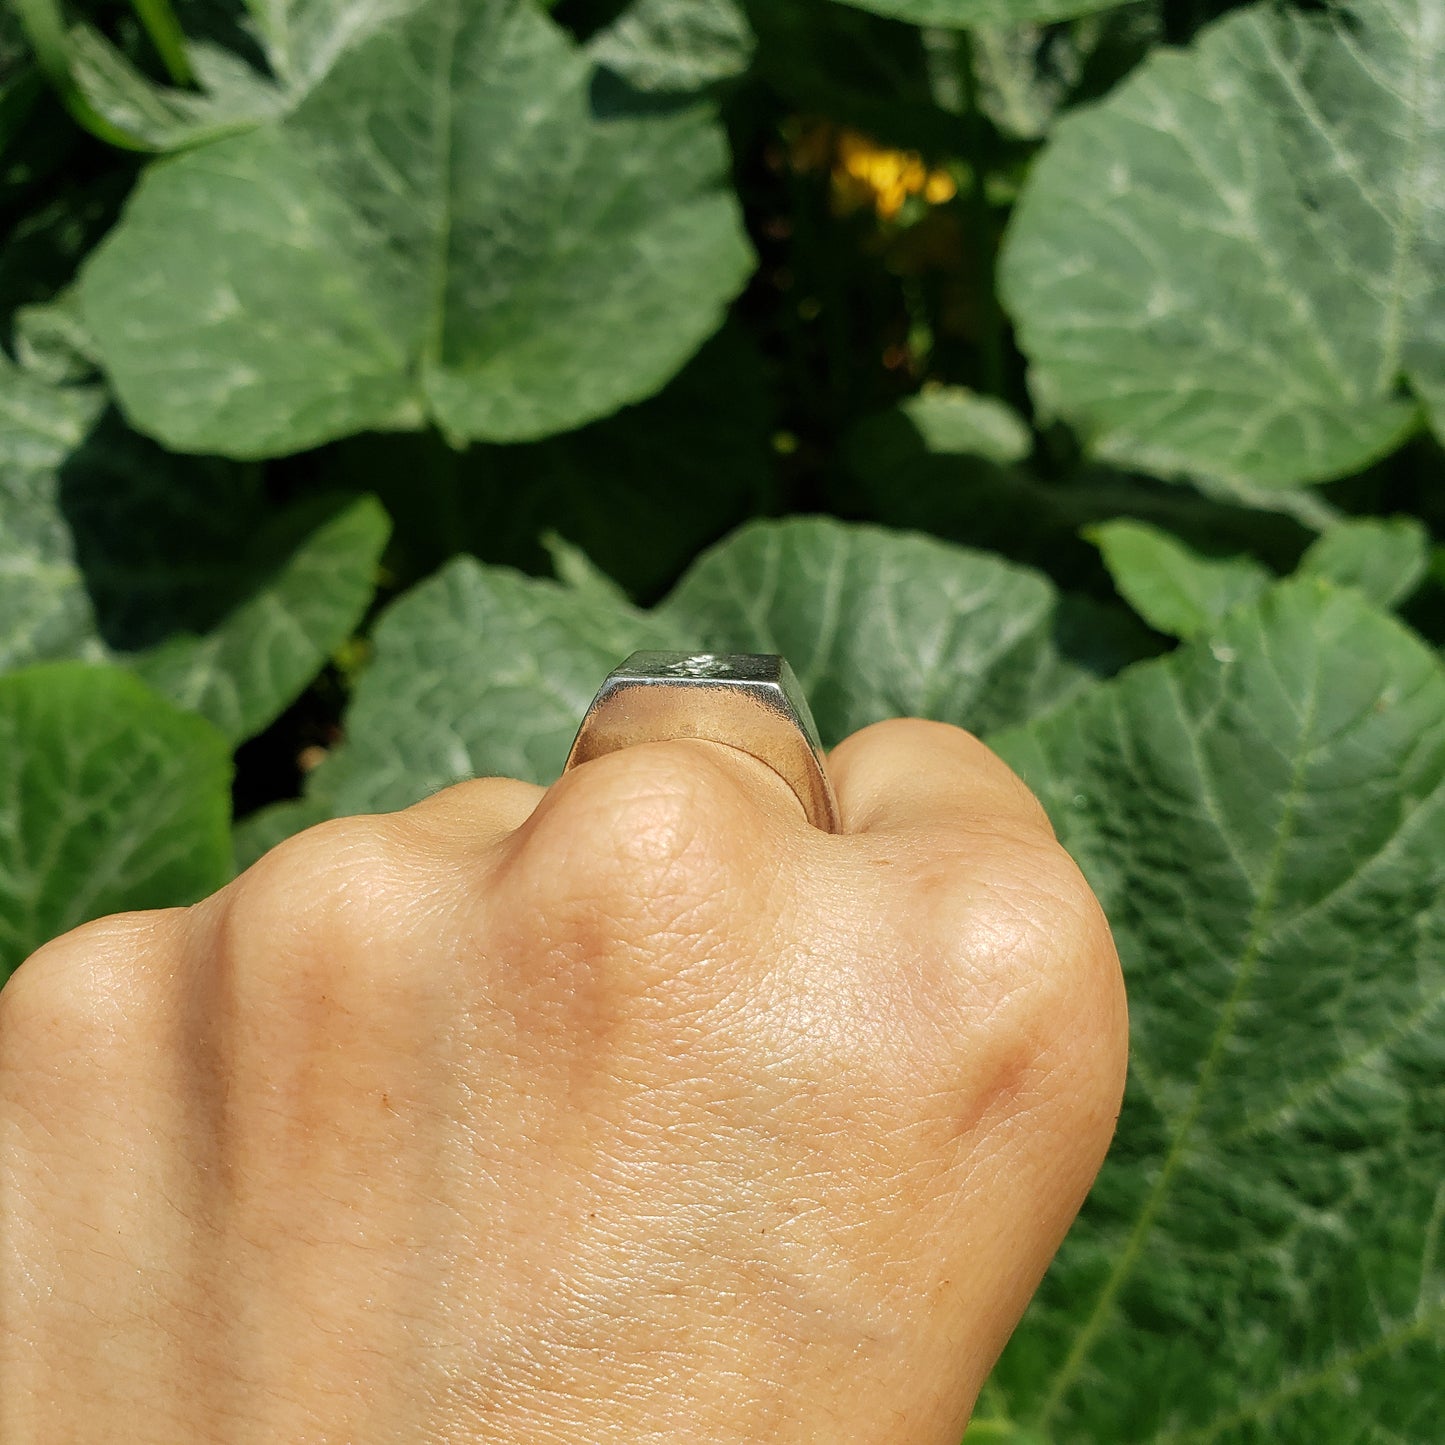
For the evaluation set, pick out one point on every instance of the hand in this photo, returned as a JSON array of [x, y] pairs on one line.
[[633, 1110]]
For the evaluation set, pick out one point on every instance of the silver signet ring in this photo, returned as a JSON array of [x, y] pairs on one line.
[[746, 700]]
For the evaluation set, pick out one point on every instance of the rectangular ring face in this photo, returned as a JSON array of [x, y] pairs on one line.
[[702, 667], [767, 671], [750, 701]]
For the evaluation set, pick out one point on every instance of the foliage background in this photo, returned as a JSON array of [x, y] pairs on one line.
[[377, 373]]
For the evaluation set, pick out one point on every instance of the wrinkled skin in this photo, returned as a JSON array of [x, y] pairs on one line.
[[634, 1110]]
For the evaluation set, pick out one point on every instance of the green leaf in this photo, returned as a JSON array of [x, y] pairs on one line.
[[448, 228], [51, 343], [1231, 265], [481, 670], [45, 29], [477, 671], [951, 420], [1386, 558], [1015, 91], [110, 550], [963, 14], [109, 94], [1262, 814], [675, 45], [1176, 590], [44, 612], [878, 624], [1027, 74], [110, 799], [303, 39], [576, 571], [257, 659]]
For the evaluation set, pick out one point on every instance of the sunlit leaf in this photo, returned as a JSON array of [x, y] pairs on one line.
[[453, 227], [1262, 814], [1232, 266], [111, 799], [1385, 558], [111, 550], [1175, 589]]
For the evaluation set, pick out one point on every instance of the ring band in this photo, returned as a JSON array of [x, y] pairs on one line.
[[749, 701]]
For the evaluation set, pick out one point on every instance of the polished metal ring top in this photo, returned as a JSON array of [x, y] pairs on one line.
[[750, 701]]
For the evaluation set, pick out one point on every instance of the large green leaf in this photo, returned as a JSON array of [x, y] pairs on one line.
[[51, 342], [878, 624], [110, 799], [1230, 267], [303, 39], [302, 584], [1263, 817], [481, 670], [1176, 590], [960, 14], [1182, 592], [231, 81], [675, 45], [1027, 75], [452, 227], [109, 549], [1385, 557], [43, 613]]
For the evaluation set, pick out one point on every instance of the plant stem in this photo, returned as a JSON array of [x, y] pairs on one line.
[[167, 37], [44, 26]]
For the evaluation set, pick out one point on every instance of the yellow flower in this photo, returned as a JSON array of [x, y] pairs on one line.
[[939, 188], [865, 173]]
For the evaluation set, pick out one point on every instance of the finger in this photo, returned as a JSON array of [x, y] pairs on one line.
[[723, 785], [490, 804], [467, 819], [908, 774], [640, 838]]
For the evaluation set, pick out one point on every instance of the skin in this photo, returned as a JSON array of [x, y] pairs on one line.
[[630, 1110]]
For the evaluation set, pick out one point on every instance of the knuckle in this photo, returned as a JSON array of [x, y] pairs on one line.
[[86, 996], [632, 868], [1025, 936], [319, 913], [1022, 982], [326, 972], [1075, 919], [315, 880], [649, 820], [465, 813], [1068, 1001]]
